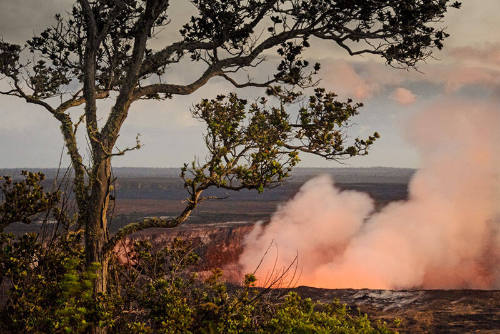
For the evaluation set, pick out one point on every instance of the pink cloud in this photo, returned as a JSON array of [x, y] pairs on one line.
[[403, 96], [488, 55], [460, 67], [468, 66], [460, 76], [341, 77]]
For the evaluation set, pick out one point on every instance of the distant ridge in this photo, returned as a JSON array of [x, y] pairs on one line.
[[340, 174]]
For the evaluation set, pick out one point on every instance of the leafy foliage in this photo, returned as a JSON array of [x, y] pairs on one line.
[[402, 32], [50, 287], [50, 290], [298, 315], [24, 199], [170, 299], [102, 49], [257, 145]]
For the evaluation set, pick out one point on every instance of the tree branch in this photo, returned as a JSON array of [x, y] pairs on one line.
[[247, 84], [162, 58], [89, 72], [120, 110], [153, 223], [209, 73], [217, 68], [76, 101]]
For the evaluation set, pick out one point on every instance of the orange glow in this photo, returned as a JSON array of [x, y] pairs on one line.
[[445, 236]]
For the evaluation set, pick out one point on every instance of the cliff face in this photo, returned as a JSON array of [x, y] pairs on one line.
[[219, 245]]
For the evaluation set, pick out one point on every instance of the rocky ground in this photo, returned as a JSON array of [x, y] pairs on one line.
[[422, 311]]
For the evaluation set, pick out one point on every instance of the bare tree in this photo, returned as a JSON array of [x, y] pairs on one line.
[[101, 50]]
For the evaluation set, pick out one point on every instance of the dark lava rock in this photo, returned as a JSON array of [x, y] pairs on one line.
[[421, 311]]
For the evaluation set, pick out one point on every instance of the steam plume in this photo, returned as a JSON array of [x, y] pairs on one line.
[[446, 235]]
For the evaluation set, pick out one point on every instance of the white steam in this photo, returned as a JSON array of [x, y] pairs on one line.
[[446, 235]]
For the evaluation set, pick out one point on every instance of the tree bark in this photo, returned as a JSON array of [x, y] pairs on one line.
[[96, 232]]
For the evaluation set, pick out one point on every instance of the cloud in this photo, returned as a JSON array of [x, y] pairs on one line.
[[458, 77], [19, 20], [460, 67], [470, 66], [362, 77], [403, 96], [341, 77], [487, 55]]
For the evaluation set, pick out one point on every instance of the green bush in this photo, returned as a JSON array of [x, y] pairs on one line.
[[169, 299], [50, 291]]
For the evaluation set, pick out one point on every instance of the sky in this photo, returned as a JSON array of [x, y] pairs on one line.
[[467, 69]]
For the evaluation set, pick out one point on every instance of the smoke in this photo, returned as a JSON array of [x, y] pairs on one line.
[[446, 235]]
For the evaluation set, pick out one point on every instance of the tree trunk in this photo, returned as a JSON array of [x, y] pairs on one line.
[[96, 232]]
